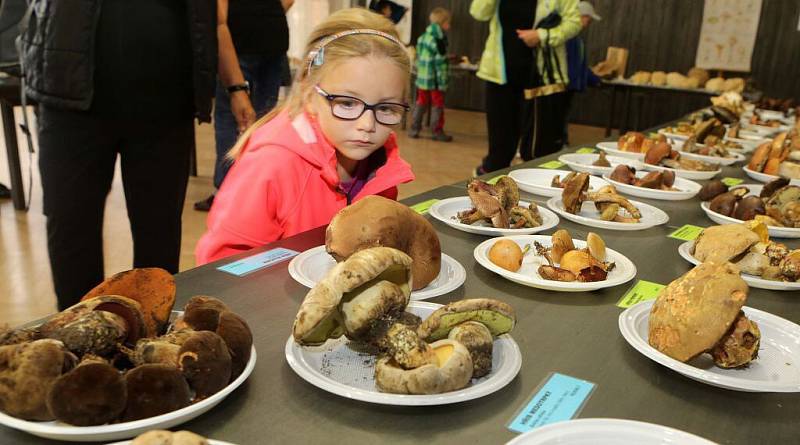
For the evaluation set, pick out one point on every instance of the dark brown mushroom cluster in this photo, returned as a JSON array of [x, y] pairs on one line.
[[662, 154], [653, 180], [777, 205], [113, 358], [611, 205], [499, 205]]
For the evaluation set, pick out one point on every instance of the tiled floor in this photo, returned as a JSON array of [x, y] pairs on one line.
[[26, 290]]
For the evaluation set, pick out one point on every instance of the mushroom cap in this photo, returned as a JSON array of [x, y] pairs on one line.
[[163, 437], [152, 287], [201, 313], [206, 363], [693, 312], [93, 393], [130, 310], [659, 151], [452, 372], [573, 193], [237, 335], [498, 316], [154, 389], [26, 372], [478, 340], [624, 174], [377, 221], [723, 243], [319, 317]]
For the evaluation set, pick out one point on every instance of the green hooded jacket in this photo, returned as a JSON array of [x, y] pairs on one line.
[[492, 67]]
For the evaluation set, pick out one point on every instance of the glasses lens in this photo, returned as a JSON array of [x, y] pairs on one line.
[[347, 108], [389, 114]]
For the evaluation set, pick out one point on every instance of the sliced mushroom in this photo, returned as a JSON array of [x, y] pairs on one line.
[[574, 193], [452, 371]]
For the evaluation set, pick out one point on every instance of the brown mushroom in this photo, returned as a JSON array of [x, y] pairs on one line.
[[573, 194], [652, 180], [773, 186], [749, 207], [478, 340], [236, 333], [624, 174], [152, 287], [17, 336], [724, 204], [712, 189], [201, 313], [154, 389], [27, 370], [659, 152], [93, 393]]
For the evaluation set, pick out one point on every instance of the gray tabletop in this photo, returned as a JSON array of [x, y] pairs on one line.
[[571, 333]]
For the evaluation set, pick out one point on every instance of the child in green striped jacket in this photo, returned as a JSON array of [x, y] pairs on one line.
[[432, 75]]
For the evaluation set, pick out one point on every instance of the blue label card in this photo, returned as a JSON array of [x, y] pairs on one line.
[[253, 263], [560, 397]]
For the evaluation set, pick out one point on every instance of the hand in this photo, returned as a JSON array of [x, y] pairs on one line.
[[529, 36], [242, 110]]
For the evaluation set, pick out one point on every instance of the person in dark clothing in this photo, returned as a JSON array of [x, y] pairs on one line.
[[580, 76], [253, 40], [140, 72]]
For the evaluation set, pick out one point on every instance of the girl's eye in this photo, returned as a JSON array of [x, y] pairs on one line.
[[389, 109], [347, 103]]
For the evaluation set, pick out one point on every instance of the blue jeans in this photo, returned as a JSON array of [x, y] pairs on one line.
[[264, 75]]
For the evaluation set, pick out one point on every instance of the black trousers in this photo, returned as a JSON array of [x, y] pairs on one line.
[[549, 122], [77, 155], [508, 117]]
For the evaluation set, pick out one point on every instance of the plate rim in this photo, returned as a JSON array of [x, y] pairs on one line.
[[607, 147], [628, 331], [380, 398], [616, 225], [555, 430], [542, 190], [663, 195], [687, 174], [491, 231], [556, 286]]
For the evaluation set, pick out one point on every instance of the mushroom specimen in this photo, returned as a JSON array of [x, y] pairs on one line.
[[663, 154], [27, 370], [653, 180], [152, 287], [499, 205], [93, 393], [701, 312], [163, 437], [606, 200], [566, 263], [376, 221], [154, 389], [451, 370]]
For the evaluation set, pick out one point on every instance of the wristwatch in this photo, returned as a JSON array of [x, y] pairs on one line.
[[240, 87]]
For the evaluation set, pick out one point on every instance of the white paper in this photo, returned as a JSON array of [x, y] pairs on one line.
[[728, 34]]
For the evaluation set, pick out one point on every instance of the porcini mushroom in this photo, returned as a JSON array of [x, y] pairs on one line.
[[452, 371], [154, 389], [574, 193], [499, 317], [478, 340], [93, 393]]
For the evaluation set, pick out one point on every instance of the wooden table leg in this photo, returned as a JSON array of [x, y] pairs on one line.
[[12, 149]]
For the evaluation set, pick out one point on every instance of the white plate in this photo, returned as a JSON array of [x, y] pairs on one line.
[[537, 180], [762, 130], [347, 372], [686, 189], [777, 368], [734, 158], [607, 432], [765, 178], [210, 442], [582, 162], [685, 251], [674, 136], [115, 431], [447, 209], [688, 174], [612, 147], [773, 115], [755, 190], [310, 267], [528, 274], [589, 216]]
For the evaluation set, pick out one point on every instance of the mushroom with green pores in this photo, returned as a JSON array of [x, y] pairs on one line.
[[154, 389], [497, 316], [478, 340], [94, 393], [27, 370], [451, 371]]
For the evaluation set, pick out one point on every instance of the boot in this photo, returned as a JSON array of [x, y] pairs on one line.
[[416, 121], [439, 135]]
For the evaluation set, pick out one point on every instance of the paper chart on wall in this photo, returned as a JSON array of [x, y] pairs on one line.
[[728, 34]]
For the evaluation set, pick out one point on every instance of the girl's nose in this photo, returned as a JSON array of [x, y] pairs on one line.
[[367, 121]]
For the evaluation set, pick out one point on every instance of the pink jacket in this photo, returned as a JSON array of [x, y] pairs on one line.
[[285, 182]]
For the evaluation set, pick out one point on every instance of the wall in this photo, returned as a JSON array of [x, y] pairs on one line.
[[660, 34]]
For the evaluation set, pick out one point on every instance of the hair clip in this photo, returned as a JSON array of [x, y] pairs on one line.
[[319, 58]]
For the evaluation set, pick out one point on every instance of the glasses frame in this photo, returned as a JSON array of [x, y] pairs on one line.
[[331, 97]]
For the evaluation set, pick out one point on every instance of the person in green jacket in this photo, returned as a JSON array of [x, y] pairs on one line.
[[516, 27], [432, 75]]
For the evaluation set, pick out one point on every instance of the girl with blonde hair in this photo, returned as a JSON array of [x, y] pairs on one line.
[[329, 144]]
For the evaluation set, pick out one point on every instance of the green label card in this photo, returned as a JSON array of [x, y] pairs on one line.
[[731, 182], [687, 232], [494, 180], [422, 207], [652, 135], [641, 291], [586, 150], [552, 164]]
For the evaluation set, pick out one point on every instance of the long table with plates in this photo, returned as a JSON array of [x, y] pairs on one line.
[[576, 334]]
